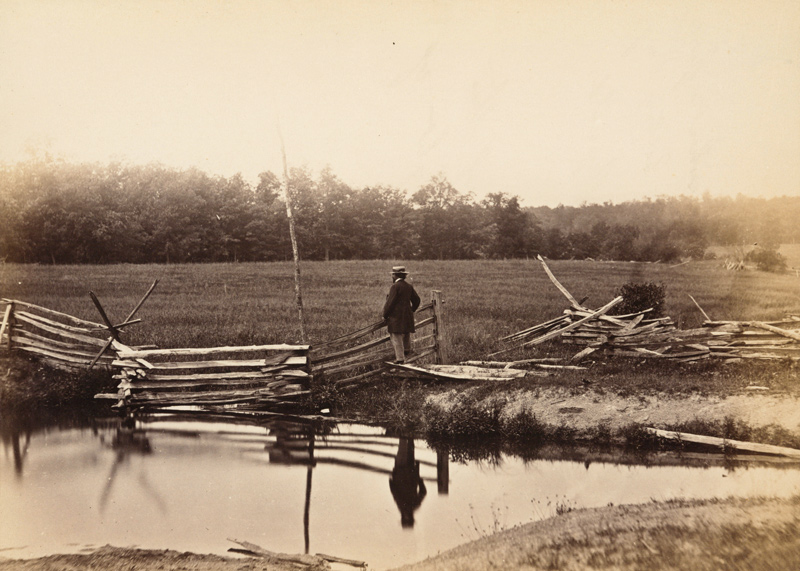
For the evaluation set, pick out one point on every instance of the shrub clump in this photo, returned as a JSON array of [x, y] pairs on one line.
[[767, 259], [638, 297]]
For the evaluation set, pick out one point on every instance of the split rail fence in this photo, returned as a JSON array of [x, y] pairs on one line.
[[352, 359], [641, 336], [260, 375]]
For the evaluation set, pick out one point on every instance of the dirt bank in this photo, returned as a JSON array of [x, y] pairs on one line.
[[589, 409], [124, 559], [719, 534], [731, 534]]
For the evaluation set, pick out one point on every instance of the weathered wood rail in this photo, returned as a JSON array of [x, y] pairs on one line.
[[210, 376], [58, 339], [259, 375], [357, 357]]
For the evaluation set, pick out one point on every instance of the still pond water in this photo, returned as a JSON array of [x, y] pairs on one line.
[[355, 491]]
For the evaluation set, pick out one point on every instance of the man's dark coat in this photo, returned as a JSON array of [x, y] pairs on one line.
[[401, 303]]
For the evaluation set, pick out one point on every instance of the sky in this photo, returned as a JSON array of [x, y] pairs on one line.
[[555, 101]]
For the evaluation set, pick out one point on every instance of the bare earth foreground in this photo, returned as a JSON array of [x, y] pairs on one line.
[[731, 534]]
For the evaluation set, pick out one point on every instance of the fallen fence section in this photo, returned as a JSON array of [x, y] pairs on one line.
[[637, 335], [358, 357], [59, 340]]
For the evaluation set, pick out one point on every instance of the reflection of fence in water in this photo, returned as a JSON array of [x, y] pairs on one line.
[[310, 445]]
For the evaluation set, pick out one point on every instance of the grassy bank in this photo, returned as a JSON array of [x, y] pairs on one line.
[[228, 304], [243, 304]]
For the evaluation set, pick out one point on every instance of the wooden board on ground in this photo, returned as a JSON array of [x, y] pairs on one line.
[[460, 372]]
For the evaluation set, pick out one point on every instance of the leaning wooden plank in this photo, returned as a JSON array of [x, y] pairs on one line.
[[50, 340], [156, 400], [54, 355], [531, 330], [746, 323], [307, 560], [607, 318], [138, 385], [112, 396], [6, 319], [350, 351], [351, 336], [576, 324], [560, 287], [374, 359], [726, 443], [194, 395], [766, 356], [761, 342], [381, 349], [52, 323], [343, 561], [189, 365], [126, 352], [468, 370], [777, 330], [20, 340], [66, 316], [61, 332], [582, 354], [358, 378], [466, 374], [209, 376]]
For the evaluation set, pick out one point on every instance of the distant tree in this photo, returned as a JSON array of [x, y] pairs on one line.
[[512, 231], [555, 244], [446, 222]]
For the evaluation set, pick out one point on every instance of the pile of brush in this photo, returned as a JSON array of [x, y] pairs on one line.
[[636, 335]]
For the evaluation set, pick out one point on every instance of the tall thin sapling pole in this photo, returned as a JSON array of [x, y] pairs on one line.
[[298, 296]]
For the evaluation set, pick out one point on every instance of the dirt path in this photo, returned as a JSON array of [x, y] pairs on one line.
[[590, 409]]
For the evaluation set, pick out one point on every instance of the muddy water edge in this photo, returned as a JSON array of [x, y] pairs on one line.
[[479, 434]]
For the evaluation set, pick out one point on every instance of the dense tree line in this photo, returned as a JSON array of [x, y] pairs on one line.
[[57, 212]]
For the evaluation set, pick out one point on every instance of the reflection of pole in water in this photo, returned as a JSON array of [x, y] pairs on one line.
[[19, 453], [294, 444], [126, 442], [309, 472], [406, 485], [443, 472]]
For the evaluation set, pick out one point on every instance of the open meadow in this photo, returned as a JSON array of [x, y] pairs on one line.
[[202, 305]]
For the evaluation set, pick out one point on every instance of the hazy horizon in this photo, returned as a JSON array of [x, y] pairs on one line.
[[556, 102]]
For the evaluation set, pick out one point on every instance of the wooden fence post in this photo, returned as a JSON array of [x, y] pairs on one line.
[[438, 326], [8, 322]]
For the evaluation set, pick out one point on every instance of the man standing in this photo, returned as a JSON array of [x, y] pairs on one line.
[[398, 311]]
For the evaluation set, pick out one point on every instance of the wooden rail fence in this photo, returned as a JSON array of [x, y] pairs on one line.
[[242, 375], [58, 339], [355, 358]]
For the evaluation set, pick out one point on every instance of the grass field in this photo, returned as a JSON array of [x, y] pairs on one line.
[[241, 304]]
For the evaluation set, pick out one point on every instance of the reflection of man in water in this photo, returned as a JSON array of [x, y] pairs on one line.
[[407, 487]]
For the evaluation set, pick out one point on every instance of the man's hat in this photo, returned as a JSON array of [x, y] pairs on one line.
[[399, 270]]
